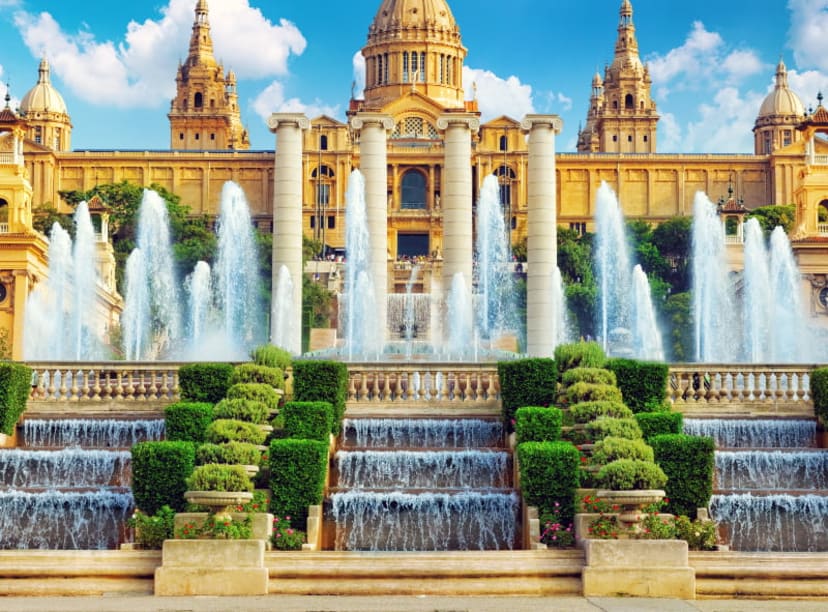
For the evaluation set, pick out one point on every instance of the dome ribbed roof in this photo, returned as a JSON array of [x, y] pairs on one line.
[[782, 101], [397, 14], [43, 97]]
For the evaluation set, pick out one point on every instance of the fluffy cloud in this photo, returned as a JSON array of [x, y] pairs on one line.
[[808, 35], [137, 72], [807, 85], [272, 100], [359, 74], [724, 126], [497, 96]]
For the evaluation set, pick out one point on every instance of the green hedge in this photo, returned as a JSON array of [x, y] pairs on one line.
[[308, 420], [242, 410], [260, 374], [232, 430], [239, 453], [204, 382], [549, 474], [585, 412], [15, 387], [298, 469], [255, 391], [643, 383], [271, 356], [216, 477], [657, 423], [526, 382], [630, 474], [579, 355], [322, 381], [603, 427], [187, 421], [597, 376], [590, 392], [819, 393], [538, 424], [611, 448], [159, 474], [688, 462]]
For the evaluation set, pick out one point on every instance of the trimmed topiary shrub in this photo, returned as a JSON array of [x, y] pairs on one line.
[[589, 411], [159, 474], [215, 477], [611, 448], [538, 424], [254, 373], [595, 376], [322, 381], [298, 470], [258, 392], [204, 382], [242, 410], [232, 430], [657, 423], [15, 388], [819, 392], [688, 462], [187, 421], [241, 453], [526, 382], [308, 420], [630, 474], [588, 392], [271, 356], [602, 427], [642, 383], [579, 355], [549, 474]]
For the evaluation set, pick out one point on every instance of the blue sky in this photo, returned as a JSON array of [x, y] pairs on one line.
[[712, 61]]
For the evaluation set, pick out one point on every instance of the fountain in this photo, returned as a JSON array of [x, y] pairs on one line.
[[282, 310], [562, 331]]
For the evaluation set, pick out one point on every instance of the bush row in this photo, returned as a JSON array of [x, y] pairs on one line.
[[526, 382], [688, 462], [15, 387], [549, 474]]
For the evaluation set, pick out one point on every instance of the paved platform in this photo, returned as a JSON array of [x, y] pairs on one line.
[[396, 604]]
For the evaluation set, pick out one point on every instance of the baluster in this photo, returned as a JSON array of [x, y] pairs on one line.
[[439, 386], [72, 390], [95, 375], [387, 395], [140, 388], [63, 391], [363, 389], [403, 391], [352, 392], [175, 391], [160, 379], [451, 386], [106, 389]]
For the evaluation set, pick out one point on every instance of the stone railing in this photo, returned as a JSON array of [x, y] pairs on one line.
[[765, 388], [822, 229], [114, 381], [429, 383]]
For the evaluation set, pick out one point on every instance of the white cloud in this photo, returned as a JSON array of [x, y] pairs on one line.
[[807, 85], [272, 100], [742, 64], [359, 75], [139, 71], [808, 35], [724, 126], [497, 96], [670, 138]]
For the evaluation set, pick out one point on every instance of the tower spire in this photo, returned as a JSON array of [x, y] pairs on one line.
[[627, 44], [201, 43]]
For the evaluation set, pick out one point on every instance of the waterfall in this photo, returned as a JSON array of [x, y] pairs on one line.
[[109, 433], [754, 433], [419, 433], [772, 470]]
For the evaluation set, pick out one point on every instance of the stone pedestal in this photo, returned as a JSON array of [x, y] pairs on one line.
[[212, 567], [638, 568]]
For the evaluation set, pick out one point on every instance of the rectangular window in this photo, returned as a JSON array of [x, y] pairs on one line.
[[312, 222], [405, 67], [385, 75], [578, 227], [38, 135], [422, 67], [331, 222], [323, 194], [442, 68], [414, 65], [786, 138]]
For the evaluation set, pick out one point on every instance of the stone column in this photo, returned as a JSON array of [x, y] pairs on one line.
[[373, 164], [287, 223], [456, 197], [542, 229]]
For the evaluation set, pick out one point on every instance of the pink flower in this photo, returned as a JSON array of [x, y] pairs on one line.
[[290, 531]]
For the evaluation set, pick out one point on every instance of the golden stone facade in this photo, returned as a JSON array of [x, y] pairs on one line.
[[414, 62]]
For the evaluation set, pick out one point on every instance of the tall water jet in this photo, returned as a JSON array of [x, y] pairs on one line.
[[612, 265], [361, 335], [562, 329], [282, 309], [409, 322], [646, 337], [495, 283], [460, 328], [159, 320], [135, 320], [236, 270], [757, 296], [199, 291], [790, 340], [713, 308], [84, 268]]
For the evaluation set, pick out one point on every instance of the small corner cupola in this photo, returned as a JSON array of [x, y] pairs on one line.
[[43, 97], [779, 115]]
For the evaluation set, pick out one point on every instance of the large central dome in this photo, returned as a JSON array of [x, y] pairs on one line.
[[405, 14]]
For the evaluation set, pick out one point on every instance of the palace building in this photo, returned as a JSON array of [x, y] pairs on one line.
[[414, 57]]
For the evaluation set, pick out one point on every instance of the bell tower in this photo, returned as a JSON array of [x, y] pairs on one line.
[[205, 116]]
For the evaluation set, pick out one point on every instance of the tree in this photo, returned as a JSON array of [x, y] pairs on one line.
[[679, 317], [771, 216], [575, 264], [45, 216]]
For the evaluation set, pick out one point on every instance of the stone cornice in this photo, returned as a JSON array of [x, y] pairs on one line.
[[279, 119]]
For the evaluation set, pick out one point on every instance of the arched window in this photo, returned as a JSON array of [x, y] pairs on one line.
[[629, 103], [505, 177], [413, 190], [4, 216], [199, 100], [822, 217], [323, 142], [615, 104]]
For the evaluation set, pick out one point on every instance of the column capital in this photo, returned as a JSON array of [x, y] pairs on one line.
[[360, 120], [530, 122], [276, 120], [470, 120]]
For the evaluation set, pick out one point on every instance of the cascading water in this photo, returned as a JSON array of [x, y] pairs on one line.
[[67, 487], [767, 477], [236, 276], [495, 305], [282, 310], [423, 484], [361, 335]]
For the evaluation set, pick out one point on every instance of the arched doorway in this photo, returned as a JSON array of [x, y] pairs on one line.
[[413, 191]]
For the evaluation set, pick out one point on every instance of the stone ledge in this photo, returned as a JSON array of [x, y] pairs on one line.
[[645, 581], [632, 553], [180, 581], [218, 554]]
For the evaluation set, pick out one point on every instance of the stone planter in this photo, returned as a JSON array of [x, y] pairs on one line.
[[219, 502], [631, 503]]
